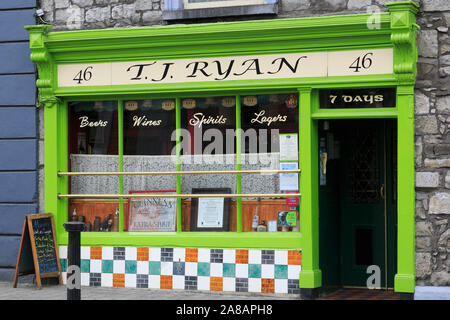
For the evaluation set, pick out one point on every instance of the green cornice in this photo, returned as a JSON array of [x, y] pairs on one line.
[[396, 29]]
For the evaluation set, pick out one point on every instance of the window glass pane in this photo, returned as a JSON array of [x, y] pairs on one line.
[[149, 141], [268, 123], [208, 144], [93, 147]]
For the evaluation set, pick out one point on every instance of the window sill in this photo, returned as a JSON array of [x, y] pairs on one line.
[[223, 240]]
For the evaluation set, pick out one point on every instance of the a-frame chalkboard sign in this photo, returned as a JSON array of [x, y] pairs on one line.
[[38, 252]]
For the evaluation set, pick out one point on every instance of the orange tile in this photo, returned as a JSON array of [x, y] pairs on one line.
[[268, 285], [142, 254], [118, 280], [242, 256], [294, 257], [166, 282], [191, 255], [96, 253], [216, 284]]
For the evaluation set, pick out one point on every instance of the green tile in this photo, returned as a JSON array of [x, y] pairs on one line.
[[281, 271], [85, 265], [107, 266], [254, 271], [229, 270], [63, 263], [130, 266], [203, 269], [154, 268]]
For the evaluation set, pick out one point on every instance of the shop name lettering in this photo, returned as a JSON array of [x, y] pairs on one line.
[[217, 70]]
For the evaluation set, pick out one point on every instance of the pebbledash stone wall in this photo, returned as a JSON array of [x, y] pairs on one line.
[[432, 101]]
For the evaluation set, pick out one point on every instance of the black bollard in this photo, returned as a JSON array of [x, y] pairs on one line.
[[74, 260]]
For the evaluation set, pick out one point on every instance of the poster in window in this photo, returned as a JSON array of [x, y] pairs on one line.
[[152, 214], [289, 147]]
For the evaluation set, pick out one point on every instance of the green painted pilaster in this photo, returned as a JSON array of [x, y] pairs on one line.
[[405, 277], [310, 275]]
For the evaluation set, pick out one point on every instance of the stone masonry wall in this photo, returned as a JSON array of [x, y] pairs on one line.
[[432, 102]]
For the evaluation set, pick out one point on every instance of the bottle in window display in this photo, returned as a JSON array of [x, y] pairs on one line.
[[115, 225], [97, 224], [256, 217]]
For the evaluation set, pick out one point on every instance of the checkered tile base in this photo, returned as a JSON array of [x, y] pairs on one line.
[[261, 271]]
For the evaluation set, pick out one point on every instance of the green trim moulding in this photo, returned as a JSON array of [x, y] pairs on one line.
[[396, 30]]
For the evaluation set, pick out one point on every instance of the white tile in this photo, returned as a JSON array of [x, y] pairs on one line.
[[118, 266], [178, 282], [154, 282], [241, 270], [281, 257], [267, 271], [254, 285], [166, 268], [281, 286], [179, 254], [63, 252], [204, 255], [142, 267], [130, 253], [254, 256], [107, 279], [154, 254], [203, 283], [96, 266], [190, 269], [85, 253], [130, 280], [293, 272], [216, 269], [84, 279], [229, 256], [229, 284], [107, 253]]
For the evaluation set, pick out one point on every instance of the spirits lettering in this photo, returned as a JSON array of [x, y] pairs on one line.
[[144, 122], [86, 123], [200, 119], [260, 118]]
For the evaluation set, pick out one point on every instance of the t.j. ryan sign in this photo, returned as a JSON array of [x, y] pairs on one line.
[[277, 66]]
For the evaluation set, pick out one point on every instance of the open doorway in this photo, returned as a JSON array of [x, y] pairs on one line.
[[357, 202]]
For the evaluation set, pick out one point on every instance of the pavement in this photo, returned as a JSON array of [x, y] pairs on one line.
[[28, 291]]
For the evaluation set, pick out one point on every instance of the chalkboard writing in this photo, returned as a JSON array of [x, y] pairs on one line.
[[45, 246], [38, 252]]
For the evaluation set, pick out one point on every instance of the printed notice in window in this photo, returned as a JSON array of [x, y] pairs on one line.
[[289, 147], [210, 213]]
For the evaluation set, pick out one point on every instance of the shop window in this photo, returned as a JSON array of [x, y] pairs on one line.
[[268, 121], [193, 9], [149, 146], [93, 147], [208, 144]]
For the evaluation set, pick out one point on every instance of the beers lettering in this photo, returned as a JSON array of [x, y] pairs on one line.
[[86, 123], [262, 119], [200, 119]]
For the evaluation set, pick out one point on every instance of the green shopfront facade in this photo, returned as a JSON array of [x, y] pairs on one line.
[[233, 63]]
